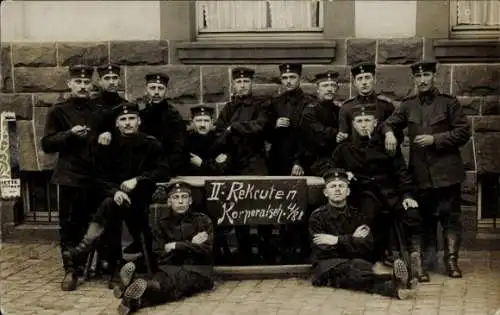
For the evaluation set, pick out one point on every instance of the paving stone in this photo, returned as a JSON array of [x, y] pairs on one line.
[[476, 293]]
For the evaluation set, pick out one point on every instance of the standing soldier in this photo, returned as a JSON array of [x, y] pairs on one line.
[[107, 99], [162, 121], [207, 157], [241, 125], [242, 122], [286, 156], [363, 75], [321, 121], [284, 124], [437, 128], [70, 128]]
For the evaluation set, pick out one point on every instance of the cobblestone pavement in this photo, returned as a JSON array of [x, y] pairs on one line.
[[30, 278]]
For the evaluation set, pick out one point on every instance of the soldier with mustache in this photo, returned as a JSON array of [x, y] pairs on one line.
[[437, 128], [207, 156], [126, 172], [320, 122], [69, 131], [162, 121]]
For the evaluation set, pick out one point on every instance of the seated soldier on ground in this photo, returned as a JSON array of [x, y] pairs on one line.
[[342, 244], [206, 156], [183, 243], [127, 171]]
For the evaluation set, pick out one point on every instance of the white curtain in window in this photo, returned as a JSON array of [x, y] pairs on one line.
[[289, 14], [228, 15], [478, 12]]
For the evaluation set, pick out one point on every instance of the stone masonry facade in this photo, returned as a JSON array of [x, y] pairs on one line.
[[34, 74]]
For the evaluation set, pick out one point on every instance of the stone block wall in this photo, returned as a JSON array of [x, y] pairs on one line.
[[34, 74]]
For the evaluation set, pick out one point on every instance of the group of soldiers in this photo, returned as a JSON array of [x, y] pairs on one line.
[[113, 152]]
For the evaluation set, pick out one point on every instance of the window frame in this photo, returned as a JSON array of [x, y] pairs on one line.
[[315, 33], [469, 31]]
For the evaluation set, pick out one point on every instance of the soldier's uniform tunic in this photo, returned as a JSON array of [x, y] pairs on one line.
[[207, 147], [287, 144], [247, 117], [320, 125]]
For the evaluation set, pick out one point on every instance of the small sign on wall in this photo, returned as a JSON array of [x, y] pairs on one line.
[[10, 188]]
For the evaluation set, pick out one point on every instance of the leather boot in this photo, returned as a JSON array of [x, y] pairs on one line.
[[69, 281], [452, 242], [416, 256], [86, 245]]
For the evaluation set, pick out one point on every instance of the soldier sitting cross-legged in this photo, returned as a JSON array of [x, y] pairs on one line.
[[183, 242], [342, 244]]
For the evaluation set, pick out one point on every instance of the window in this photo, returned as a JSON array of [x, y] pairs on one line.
[[475, 18], [259, 17]]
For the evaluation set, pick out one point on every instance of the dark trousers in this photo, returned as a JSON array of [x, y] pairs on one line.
[[174, 285], [441, 206], [357, 274], [76, 206], [385, 219], [111, 216]]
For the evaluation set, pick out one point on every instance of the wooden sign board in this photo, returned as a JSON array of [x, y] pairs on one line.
[[256, 201]]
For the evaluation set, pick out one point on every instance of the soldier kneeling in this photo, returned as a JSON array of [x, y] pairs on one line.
[[183, 243], [342, 245]]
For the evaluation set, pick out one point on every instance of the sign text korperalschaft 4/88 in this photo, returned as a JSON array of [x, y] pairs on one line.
[[256, 201]]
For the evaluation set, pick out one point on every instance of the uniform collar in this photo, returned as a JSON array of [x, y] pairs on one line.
[[245, 99], [428, 97], [370, 98], [80, 103], [294, 93], [337, 212]]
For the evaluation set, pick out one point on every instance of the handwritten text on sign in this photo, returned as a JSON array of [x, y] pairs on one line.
[[253, 202]]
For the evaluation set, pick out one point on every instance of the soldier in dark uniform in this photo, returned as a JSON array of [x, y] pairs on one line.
[[207, 156], [161, 120], [437, 128], [363, 75], [107, 99], [70, 127], [183, 243], [241, 126], [342, 245], [321, 121], [384, 188], [126, 171], [284, 124], [286, 156], [241, 123]]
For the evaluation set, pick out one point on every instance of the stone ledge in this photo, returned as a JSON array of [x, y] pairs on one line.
[[464, 50], [312, 52]]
